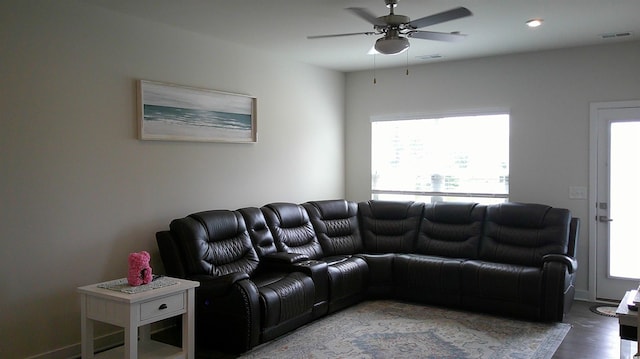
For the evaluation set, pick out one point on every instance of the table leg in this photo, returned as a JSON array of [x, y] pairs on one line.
[[637, 356], [145, 332], [131, 342], [86, 330], [627, 348], [188, 323], [637, 337]]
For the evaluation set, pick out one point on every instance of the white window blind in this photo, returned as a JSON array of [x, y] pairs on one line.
[[462, 158]]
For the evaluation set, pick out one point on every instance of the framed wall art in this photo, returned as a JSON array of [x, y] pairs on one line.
[[179, 113]]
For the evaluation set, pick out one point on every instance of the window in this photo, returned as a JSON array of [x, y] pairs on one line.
[[463, 158]]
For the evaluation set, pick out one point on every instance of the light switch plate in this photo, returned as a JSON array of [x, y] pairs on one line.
[[577, 192]]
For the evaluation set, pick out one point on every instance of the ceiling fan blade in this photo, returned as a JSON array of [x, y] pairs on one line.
[[444, 16], [342, 35], [437, 36], [366, 15]]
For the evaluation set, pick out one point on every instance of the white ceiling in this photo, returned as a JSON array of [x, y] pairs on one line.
[[496, 27]]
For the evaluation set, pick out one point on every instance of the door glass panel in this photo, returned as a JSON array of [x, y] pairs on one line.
[[624, 237]]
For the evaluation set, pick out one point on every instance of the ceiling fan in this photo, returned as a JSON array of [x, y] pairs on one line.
[[396, 29]]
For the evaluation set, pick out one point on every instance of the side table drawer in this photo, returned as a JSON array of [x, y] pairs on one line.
[[162, 306]]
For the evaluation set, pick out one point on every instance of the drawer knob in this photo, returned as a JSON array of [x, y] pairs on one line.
[[162, 306]]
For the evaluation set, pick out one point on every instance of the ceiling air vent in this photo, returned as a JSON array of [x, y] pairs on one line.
[[429, 57], [615, 35]]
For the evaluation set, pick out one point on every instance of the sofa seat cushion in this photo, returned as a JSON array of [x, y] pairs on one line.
[[428, 278], [265, 278], [502, 288], [348, 279], [284, 296], [380, 275]]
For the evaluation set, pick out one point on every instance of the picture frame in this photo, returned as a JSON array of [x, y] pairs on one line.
[[180, 113]]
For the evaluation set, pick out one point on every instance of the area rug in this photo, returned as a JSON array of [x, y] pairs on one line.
[[607, 310], [392, 329]]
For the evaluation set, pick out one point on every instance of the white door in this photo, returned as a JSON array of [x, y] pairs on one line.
[[615, 216]]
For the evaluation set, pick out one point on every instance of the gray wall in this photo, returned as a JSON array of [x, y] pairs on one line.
[[80, 192], [547, 94]]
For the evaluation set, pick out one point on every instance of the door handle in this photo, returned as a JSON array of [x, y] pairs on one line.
[[604, 219]]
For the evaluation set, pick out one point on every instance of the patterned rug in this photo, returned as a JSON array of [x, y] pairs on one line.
[[392, 329], [607, 310]]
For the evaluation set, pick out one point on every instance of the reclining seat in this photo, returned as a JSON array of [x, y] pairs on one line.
[[237, 307], [293, 232], [449, 234], [388, 228], [336, 225], [271, 259], [523, 265]]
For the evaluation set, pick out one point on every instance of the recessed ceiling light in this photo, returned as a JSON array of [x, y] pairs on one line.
[[534, 22]]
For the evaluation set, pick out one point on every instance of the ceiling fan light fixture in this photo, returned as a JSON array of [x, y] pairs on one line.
[[392, 45], [534, 22]]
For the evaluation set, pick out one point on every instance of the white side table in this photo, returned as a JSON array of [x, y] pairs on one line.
[[628, 321], [132, 311], [636, 302]]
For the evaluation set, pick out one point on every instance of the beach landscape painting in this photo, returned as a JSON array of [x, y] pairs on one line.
[[180, 113]]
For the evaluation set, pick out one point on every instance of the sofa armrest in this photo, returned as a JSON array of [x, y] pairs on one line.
[[559, 272], [227, 312], [284, 258], [319, 273], [281, 261], [571, 263], [219, 285], [296, 262]]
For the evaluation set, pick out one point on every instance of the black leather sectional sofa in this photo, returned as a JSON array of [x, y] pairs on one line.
[[266, 271]]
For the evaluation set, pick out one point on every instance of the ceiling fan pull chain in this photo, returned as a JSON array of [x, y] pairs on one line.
[[374, 69], [407, 73]]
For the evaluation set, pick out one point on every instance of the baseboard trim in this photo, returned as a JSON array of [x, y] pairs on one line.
[[583, 295], [101, 343]]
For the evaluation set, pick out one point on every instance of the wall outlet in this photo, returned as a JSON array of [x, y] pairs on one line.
[[578, 192]]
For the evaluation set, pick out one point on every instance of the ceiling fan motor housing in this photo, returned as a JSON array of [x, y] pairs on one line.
[[394, 19], [391, 3]]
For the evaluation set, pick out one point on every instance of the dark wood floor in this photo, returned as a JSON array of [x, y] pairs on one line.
[[592, 336]]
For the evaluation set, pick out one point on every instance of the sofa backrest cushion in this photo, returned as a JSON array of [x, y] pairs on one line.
[[389, 226], [259, 232], [336, 225], [519, 233], [215, 243], [292, 230], [451, 229]]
